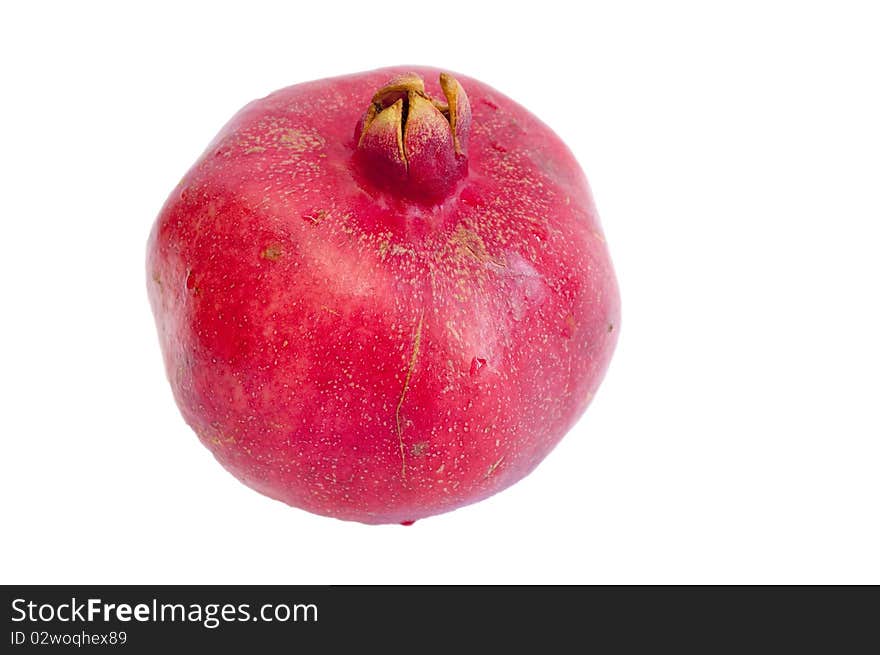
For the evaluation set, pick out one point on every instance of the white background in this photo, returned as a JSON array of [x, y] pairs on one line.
[[734, 153]]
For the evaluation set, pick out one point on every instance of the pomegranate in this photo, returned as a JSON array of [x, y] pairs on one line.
[[382, 296]]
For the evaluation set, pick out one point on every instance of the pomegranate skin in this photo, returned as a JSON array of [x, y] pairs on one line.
[[359, 353]]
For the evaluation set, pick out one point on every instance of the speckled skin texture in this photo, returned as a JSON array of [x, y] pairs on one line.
[[364, 356]]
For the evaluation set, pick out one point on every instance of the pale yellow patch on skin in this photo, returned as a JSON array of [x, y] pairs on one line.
[[469, 243], [300, 141]]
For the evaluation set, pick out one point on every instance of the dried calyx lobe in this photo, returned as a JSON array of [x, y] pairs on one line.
[[414, 145]]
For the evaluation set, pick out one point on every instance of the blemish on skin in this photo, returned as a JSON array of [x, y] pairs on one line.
[[488, 103], [191, 283], [477, 364], [316, 217], [254, 149], [331, 311], [497, 146], [611, 327], [494, 466], [417, 341], [272, 252], [215, 437], [419, 448], [570, 325]]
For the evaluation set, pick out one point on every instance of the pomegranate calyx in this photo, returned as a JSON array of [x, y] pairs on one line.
[[412, 143], [458, 111]]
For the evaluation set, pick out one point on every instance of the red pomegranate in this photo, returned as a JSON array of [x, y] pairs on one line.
[[383, 296]]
